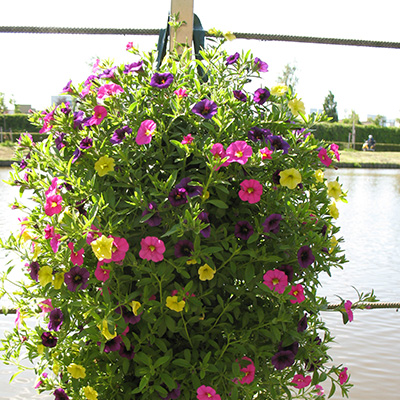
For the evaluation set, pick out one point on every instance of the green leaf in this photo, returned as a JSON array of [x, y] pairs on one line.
[[332, 391], [143, 358], [143, 382], [218, 203], [249, 273], [161, 361]]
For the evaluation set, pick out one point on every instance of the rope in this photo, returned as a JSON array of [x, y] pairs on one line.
[[155, 32]]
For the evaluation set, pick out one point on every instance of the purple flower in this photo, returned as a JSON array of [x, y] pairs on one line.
[[288, 270], [56, 320], [261, 96], [155, 219], [48, 339], [59, 140], [78, 119], [302, 325], [33, 269], [277, 143], [243, 230], [76, 155], [174, 394], [112, 345], [190, 190], [257, 134], [134, 67], [261, 65], [124, 352], [239, 95], [271, 223], [294, 348], [90, 79], [177, 197], [23, 164], [205, 108], [59, 394], [107, 73], [67, 109], [203, 217], [67, 87], [276, 177], [76, 278], [183, 248], [161, 81], [119, 134], [86, 143], [128, 316], [283, 359], [305, 257], [232, 59]]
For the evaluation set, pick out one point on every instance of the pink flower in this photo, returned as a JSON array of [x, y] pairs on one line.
[[218, 151], [100, 113], [129, 46], [239, 152], [146, 131], [207, 393], [96, 65], [181, 92], [49, 232], [276, 280], [249, 372], [76, 257], [86, 89], [335, 149], [108, 90], [298, 292], [266, 153], [53, 188], [53, 205], [93, 234], [187, 139], [251, 191], [343, 377], [119, 248], [101, 274], [323, 156], [46, 306], [152, 249], [301, 381], [18, 319], [320, 390], [347, 307], [54, 243]]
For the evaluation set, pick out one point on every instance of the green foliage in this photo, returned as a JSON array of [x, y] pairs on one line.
[[330, 107], [289, 77], [17, 123], [187, 329]]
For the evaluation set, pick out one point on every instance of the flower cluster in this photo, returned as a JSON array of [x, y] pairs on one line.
[[179, 227]]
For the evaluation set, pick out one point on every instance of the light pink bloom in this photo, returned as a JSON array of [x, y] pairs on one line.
[[54, 243], [181, 92], [95, 67], [239, 152], [108, 90], [46, 306], [276, 280], [76, 257], [53, 205], [320, 390], [249, 372], [18, 318], [343, 377], [145, 132], [152, 249], [218, 151], [301, 381], [347, 307], [86, 89], [53, 188], [187, 139], [323, 156], [129, 46], [251, 191], [335, 149], [207, 393], [298, 292], [266, 153], [100, 113], [101, 274], [49, 232]]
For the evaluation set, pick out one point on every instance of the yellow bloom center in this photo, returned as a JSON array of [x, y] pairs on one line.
[[275, 281], [239, 154], [152, 248]]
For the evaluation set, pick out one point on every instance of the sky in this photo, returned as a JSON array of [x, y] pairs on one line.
[[35, 67]]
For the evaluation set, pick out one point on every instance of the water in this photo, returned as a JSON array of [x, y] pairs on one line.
[[370, 345]]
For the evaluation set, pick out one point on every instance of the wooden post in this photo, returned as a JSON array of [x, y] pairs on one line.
[[185, 33]]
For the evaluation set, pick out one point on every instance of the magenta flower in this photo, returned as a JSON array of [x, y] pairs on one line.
[[46, 306], [207, 393], [180, 93], [100, 273], [239, 152], [109, 90], [232, 59], [67, 88], [305, 256], [108, 73], [54, 243], [272, 223], [297, 291], [276, 280], [56, 320], [335, 149], [251, 191], [347, 307], [261, 96], [152, 249], [205, 108], [119, 248], [161, 81], [134, 67], [323, 156], [187, 139], [301, 381], [100, 113], [249, 372], [219, 152], [343, 377], [146, 132], [266, 153], [53, 205], [239, 95], [261, 65], [320, 390], [76, 278], [76, 257]]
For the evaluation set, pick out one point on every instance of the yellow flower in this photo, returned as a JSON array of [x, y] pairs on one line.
[[334, 190], [296, 106], [334, 243], [104, 165], [206, 273], [37, 250], [319, 175], [40, 348], [192, 261], [56, 367], [58, 280], [205, 195], [279, 90], [90, 393], [229, 36], [333, 211], [76, 371], [102, 247], [135, 306], [104, 330], [173, 304], [45, 275], [290, 178]]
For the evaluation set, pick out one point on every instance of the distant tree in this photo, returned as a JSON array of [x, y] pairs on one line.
[[330, 107], [352, 117], [288, 76], [379, 120], [3, 107]]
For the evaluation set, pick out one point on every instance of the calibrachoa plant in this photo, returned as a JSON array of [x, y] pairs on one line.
[[180, 226]]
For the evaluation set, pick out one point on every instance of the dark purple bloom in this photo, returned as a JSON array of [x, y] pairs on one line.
[[119, 134], [302, 325], [124, 352], [78, 119], [161, 81], [276, 177], [239, 95], [67, 109], [48, 339], [243, 230], [108, 73], [59, 140], [128, 316], [33, 269], [177, 196], [271, 223], [23, 164], [257, 134], [59, 394], [277, 143], [232, 59], [112, 345], [56, 320], [76, 278], [324, 230], [261, 65], [76, 155], [203, 217], [190, 190], [86, 143], [155, 219], [261, 96], [134, 67], [205, 108], [283, 359], [174, 394], [183, 248], [305, 256], [294, 348], [288, 270]]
